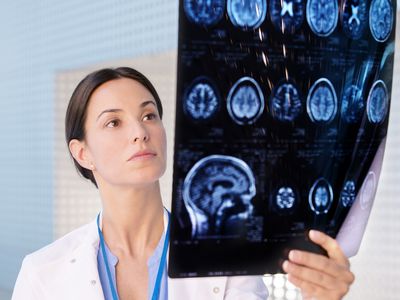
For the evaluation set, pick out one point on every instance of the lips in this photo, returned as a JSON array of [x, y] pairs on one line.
[[142, 153]]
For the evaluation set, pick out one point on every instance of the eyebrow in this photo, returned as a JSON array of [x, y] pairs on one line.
[[143, 104]]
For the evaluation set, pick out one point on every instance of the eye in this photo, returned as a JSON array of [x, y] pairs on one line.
[[112, 123], [151, 115]]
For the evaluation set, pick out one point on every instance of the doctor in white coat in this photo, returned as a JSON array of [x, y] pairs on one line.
[[117, 140]]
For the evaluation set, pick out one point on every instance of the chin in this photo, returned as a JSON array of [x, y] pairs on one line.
[[147, 176]]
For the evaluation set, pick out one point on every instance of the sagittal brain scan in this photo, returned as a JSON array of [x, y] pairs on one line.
[[287, 15], [322, 16], [217, 192], [285, 198], [247, 14], [285, 102], [322, 101], [282, 110], [245, 101], [355, 18], [377, 102], [368, 190], [321, 196], [204, 12], [381, 19], [201, 100], [352, 104], [348, 193]]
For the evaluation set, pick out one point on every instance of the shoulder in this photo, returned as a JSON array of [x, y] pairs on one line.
[[60, 247]]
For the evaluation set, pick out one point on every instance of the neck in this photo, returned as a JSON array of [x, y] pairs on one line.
[[132, 221]]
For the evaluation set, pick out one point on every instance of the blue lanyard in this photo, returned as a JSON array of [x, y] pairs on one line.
[[157, 285]]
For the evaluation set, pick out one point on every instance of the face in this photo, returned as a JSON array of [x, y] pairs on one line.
[[122, 119]]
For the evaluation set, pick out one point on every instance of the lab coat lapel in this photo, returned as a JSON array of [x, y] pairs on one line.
[[85, 279]]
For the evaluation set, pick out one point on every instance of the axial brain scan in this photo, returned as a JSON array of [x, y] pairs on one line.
[[355, 18], [245, 101], [322, 16], [201, 100], [381, 19], [204, 12], [285, 198], [352, 104], [322, 101], [285, 102], [287, 16], [348, 194], [321, 196], [377, 102], [217, 193], [247, 13]]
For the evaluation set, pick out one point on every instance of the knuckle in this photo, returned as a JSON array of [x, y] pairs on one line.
[[352, 277], [335, 246], [344, 289], [305, 288], [325, 264], [346, 262], [321, 278]]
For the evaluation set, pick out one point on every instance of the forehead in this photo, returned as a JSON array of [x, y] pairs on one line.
[[123, 92]]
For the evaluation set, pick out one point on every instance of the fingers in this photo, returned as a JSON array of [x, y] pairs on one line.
[[330, 245], [312, 276], [314, 291], [317, 275], [322, 264]]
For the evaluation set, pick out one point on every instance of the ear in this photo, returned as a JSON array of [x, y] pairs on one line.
[[80, 153]]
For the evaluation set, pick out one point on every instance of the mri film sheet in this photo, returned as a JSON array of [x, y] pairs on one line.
[[282, 111]]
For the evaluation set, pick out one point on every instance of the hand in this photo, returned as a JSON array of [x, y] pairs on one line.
[[320, 277]]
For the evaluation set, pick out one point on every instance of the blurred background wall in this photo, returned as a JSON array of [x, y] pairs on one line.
[[46, 47]]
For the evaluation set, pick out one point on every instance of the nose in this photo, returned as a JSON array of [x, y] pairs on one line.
[[139, 133]]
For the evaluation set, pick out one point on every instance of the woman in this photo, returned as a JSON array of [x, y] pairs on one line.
[[117, 140]]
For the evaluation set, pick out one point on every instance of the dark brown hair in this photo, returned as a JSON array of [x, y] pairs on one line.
[[76, 112]]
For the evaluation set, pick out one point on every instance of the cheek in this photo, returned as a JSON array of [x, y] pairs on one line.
[[163, 141], [107, 149]]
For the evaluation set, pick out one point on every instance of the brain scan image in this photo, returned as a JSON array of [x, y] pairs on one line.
[[368, 190], [201, 100], [287, 15], [320, 196], [204, 12], [355, 18], [348, 194], [381, 19], [285, 102], [322, 16], [377, 102], [285, 198], [245, 101], [217, 193], [322, 101], [352, 104], [247, 14]]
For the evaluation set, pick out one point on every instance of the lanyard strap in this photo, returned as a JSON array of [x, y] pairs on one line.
[[156, 290], [103, 250], [157, 285]]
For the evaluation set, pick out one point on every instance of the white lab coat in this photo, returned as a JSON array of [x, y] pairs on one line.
[[67, 269]]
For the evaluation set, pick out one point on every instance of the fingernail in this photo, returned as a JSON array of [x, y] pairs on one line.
[[292, 255], [314, 234], [285, 265]]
